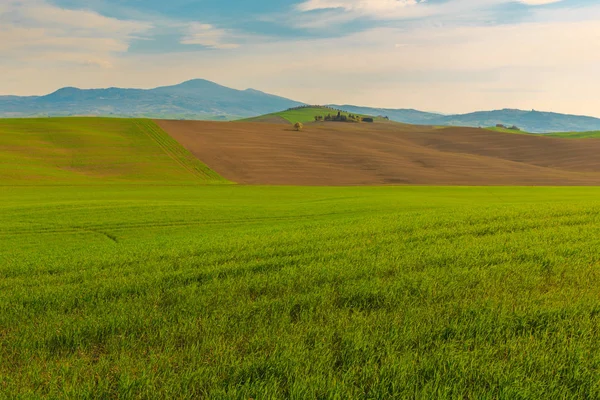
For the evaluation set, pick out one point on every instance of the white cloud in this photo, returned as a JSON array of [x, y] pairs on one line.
[[82, 22], [34, 30], [208, 36], [548, 61], [535, 65], [539, 2], [350, 5], [404, 9], [384, 9]]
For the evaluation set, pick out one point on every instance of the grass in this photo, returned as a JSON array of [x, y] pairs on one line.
[[303, 115], [506, 130], [293, 293], [566, 135], [577, 135], [94, 150], [114, 285]]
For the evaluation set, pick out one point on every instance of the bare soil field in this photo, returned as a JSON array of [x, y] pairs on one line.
[[387, 153]]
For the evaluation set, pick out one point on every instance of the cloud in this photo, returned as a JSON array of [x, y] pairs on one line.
[[34, 30], [539, 2], [384, 9], [351, 5], [405, 9], [547, 58], [208, 36], [541, 65]]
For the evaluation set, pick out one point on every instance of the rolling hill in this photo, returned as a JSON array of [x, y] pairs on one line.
[[564, 135], [408, 116], [195, 99], [95, 150], [246, 292], [576, 135], [530, 121], [303, 114], [339, 154], [204, 100], [67, 151]]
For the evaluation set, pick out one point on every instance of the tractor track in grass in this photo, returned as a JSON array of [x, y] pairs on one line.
[[109, 236], [177, 153], [157, 225]]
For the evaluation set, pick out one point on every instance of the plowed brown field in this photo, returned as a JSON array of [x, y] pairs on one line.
[[376, 154]]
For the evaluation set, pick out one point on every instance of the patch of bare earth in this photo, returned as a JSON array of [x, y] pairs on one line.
[[379, 154]]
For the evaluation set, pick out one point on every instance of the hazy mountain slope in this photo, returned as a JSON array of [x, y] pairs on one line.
[[531, 121], [192, 99], [202, 99]]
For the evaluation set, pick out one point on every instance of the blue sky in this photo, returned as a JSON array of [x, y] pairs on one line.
[[440, 55]]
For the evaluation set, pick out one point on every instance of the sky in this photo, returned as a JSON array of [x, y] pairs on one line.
[[448, 56]]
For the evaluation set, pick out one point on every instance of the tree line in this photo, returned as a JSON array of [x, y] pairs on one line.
[[343, 118]]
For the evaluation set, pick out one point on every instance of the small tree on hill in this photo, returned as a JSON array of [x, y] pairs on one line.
[[298, 126]]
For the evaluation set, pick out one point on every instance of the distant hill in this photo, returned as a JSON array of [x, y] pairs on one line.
[[195, 99], [530, 121], [204, 100], [408, 116], [303, 114]]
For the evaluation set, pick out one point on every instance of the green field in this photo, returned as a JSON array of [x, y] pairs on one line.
[[294, 293], [128, 270], [577, 135], [506, 130], [94, 151], [566, 135]]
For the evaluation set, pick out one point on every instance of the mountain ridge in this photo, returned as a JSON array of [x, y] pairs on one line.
[[204, 99], [196, 98], [531, 121]]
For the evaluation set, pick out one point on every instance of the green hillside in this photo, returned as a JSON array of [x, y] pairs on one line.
[[567, 135], [302, 114], [306, 114], [94, 150], [506, 130], [576, 135]]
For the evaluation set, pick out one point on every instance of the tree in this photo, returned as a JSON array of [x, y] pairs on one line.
[[298, 126]]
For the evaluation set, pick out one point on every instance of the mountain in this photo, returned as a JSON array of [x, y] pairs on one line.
[[202, 99], [199, 99], [530, 121]]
